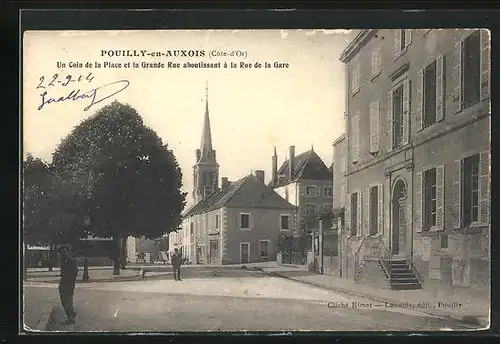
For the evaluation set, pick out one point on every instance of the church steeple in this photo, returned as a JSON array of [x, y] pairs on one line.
[[206, 136], [206, 169]]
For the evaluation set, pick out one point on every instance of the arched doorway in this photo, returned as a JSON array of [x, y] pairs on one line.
[[399, 199]]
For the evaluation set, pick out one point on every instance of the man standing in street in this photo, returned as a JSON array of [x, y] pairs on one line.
[[176, 262], [69, 271]]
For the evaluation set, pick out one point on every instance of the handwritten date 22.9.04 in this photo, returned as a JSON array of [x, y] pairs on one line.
[[95, 95], [57, 80]]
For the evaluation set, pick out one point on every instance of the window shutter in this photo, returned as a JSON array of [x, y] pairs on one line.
[[440, 88], [374, 126], [406, 112], [355, 143], [457, 195], [250, 221], [440, 197], [359, 217], [457, 77], [374, 62], [389, 121], [387, 210], [397, 43], [366, 212], [347, 213], [485, 64], [484, 188], [418, 207], [318, 191], [239, 220], [379, 60], [419, 100], [407, 37], [380, 212]]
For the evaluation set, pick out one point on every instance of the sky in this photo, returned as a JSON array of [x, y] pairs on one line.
[[251, 110]]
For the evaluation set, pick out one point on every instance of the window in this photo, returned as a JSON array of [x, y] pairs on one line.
[[244, 221], [191, 228], [376, 62], [281, 179], [402, 40], [310, 209], [285, 222], [374, 199], [216, 221], [354, 213], [444, 241], [356, 74], [397, 108], [328, 208], [430, 95], [430, 198], [311, 191], [471, 190], [471, 70], [264, 248], [328, 191]]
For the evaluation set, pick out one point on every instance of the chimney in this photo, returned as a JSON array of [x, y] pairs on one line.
[[260, 175], [291, 163], [224, 183], [274, 178], [198, 155]]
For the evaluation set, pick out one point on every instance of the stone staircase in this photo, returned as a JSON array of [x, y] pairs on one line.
[[400, 275]]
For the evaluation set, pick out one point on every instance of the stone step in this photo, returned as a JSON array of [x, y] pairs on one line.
[[405, 286], [403, 280]]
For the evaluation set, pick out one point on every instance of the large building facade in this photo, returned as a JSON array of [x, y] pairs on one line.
[[417, 152]]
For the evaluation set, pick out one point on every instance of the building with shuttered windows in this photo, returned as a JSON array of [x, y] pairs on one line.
[[417, 149]]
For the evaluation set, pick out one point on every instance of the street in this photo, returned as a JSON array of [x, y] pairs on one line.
[[219, 299]]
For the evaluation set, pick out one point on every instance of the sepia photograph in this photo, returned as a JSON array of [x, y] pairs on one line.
[[256, 180]]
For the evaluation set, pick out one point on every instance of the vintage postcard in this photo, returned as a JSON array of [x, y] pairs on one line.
[[256, 180]]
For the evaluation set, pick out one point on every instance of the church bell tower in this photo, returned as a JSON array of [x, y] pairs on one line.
[[206, 169]]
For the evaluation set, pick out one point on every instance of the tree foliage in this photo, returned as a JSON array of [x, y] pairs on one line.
[[131, 180], [50, 209]]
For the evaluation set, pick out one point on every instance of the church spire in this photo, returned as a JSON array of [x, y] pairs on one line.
[[206, 136]]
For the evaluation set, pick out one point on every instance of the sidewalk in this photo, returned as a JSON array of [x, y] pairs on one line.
[[463, 305]]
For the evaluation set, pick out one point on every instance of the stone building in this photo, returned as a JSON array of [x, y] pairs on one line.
[[238, 223], [418, 158], [306, 182]]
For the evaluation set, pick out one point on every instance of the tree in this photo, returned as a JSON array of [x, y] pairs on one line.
[[49, 207], [133, 181]]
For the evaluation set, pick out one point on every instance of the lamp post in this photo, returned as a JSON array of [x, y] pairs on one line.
[[85, 277]]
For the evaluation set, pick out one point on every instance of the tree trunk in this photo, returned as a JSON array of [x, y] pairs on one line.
[[123, 256], [51, 251], [116, 260]]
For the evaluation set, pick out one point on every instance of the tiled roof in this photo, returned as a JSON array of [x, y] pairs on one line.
[[308, 165], [248, 192]]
